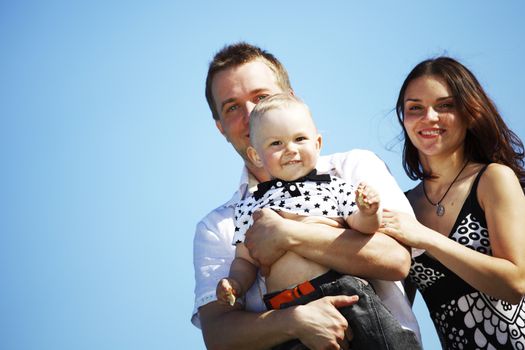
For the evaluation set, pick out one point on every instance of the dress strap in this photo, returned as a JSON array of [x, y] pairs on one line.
[[473, 197], [475, 183]]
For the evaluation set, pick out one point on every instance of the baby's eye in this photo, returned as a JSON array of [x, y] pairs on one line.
[[301, 138], [275, 143]]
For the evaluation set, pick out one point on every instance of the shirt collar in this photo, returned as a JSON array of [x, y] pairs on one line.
[[289, 186], [324, 165], [248, 183]]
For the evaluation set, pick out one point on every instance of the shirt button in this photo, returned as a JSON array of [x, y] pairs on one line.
[[292, 187], [279, 184]]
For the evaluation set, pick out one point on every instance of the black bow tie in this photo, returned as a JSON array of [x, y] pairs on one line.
[[290, 186]]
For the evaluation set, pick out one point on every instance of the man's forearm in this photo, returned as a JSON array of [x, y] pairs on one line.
[[224, 327], [348, 251], [318, 325]]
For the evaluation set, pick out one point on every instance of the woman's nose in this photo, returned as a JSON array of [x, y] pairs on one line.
[[431, 114]]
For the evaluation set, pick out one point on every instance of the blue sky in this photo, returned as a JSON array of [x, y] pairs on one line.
[[110, 155]]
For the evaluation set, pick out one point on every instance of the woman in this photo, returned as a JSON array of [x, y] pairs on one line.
[[470, 208]]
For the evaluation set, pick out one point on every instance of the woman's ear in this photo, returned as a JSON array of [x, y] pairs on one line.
[[254, 157]]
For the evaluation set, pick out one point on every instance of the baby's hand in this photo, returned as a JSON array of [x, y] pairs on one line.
[[367, 199], [228, 290]]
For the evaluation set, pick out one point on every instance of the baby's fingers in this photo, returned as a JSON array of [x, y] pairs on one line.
[[372, 198], [361, 199], [230, 297]]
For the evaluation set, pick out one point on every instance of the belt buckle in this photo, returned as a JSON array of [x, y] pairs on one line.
[[289, 295]]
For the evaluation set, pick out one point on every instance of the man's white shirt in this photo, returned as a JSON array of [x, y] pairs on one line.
[[213, 251]]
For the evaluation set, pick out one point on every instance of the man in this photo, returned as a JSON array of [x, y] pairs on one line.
[[240, 76]]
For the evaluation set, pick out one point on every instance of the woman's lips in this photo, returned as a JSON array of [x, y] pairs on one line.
[[429, 133]]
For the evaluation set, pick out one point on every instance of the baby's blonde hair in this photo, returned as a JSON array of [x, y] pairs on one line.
[[273, 102]]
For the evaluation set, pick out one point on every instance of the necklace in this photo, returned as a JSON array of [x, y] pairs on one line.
[[440, 210]]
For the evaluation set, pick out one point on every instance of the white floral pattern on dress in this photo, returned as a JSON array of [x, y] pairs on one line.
[[472, 234], [424, 277]]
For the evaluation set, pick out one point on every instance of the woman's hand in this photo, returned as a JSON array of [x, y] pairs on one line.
[[404, 228]]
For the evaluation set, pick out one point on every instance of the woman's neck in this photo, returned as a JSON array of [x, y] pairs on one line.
[[442, 169]]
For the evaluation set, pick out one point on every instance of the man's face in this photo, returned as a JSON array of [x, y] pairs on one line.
[[235, 92]]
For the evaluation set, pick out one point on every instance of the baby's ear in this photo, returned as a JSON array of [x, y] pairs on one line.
[[254, 157], [319, 141]]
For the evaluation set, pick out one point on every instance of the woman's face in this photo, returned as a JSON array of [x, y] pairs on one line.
[[431, 119]]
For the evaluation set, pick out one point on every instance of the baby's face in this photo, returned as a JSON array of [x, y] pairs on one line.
[[287, 142]]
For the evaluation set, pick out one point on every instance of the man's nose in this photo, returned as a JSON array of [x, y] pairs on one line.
[[248, 108]]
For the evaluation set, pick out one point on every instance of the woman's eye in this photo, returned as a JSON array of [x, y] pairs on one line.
[[414, 108], [446, 106]]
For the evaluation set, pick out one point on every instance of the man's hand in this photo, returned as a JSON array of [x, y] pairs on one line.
[[321, 326], [318, 325], [266, 240]]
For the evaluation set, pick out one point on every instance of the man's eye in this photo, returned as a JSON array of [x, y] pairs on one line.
[[232, 108], [261, 97]]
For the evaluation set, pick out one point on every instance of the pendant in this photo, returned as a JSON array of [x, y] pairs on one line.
[[440, 210]]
